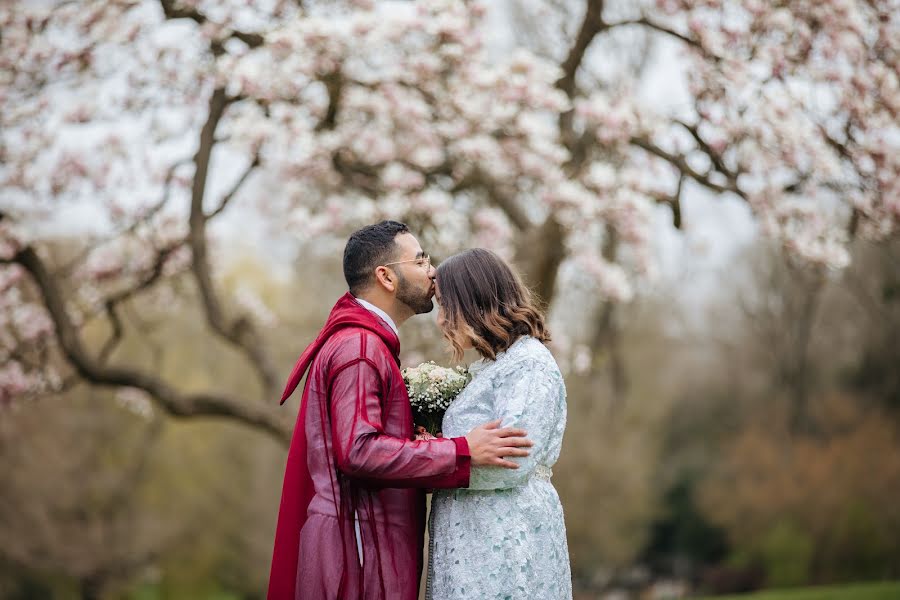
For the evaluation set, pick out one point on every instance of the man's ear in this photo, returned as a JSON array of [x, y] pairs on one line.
[[386, 278]]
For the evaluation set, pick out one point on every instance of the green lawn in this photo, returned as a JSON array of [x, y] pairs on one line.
[[859, 591]]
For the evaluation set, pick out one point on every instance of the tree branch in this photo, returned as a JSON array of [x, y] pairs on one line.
[[116, 336], [241, 332], [478, 178], [675, 202], [111, 303], [173, 11], [234, 189], [171, 400], [153, 210], [591, 25], [356, 173], [334, 84], [645, 22], [680, 163], [152, 277], [541, 250], [714, 157]]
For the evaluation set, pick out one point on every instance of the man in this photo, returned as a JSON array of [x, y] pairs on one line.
[[351, 521]]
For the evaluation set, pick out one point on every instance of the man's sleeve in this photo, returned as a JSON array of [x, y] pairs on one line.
[[365, 452]]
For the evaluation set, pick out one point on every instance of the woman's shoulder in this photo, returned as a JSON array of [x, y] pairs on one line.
[[528, 360], [528, 352]]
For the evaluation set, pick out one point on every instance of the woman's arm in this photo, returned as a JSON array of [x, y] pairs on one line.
[[527, 397]]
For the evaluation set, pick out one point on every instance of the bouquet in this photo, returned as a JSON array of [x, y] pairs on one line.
[[431, 390]]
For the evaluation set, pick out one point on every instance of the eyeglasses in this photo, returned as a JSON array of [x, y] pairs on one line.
[[422, 261]]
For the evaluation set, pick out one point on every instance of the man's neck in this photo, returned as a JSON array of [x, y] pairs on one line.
[[398, 317]]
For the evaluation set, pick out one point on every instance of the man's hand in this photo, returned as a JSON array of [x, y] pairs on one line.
[[488, 445]]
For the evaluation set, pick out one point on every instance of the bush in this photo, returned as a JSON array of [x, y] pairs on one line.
[[812, 508]]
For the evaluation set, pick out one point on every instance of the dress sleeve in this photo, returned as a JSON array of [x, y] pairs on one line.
[[526, 396], [365, 452]]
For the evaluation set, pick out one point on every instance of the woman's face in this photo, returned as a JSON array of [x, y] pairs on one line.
[[441, 315], [437, 297]]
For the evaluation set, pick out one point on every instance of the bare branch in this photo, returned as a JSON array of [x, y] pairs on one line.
[[234, 189], [152, 277], [144, 218], [116, 336], [174, 11], [680, 163], [715, 157], [171, 400], [590, 27], [240, 332], [675, 202], [365, 176], [334, 84], [645, 22], [358, 174], [111, 304], [508, 205], [505, 202]]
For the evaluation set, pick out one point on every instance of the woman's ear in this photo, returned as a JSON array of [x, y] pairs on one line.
[[386, 278]]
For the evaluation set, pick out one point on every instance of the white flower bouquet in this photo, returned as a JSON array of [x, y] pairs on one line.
[[431, 390]]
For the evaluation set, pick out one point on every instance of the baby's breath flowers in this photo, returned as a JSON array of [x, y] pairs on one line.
[[431, 390]]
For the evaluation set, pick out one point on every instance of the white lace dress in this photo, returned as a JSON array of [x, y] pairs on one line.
[[504, 536]]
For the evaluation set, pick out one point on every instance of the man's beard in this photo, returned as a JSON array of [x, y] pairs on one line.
[[418, 301]]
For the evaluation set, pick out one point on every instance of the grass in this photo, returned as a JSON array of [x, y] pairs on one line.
[[154, 592], [860, 591]]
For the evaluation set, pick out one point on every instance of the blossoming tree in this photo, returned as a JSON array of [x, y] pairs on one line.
[[155, 117]]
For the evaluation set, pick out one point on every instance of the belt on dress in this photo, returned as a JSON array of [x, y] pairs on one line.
[[543, 472]]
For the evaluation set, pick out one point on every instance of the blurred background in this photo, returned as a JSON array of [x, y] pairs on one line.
[[705, 194]]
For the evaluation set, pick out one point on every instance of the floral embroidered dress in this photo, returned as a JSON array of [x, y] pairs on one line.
[[504, 536]]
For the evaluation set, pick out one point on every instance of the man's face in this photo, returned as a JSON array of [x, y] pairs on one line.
[[415, 278]]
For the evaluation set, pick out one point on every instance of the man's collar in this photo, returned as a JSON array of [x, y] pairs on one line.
[[384, 316]]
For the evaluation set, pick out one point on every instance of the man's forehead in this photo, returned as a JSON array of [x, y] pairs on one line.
[[408, 243]]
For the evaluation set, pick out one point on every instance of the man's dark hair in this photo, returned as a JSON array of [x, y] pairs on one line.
[[368, 248]]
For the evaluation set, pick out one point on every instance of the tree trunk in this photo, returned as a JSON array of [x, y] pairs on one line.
[[91, 587], [799, 375], [539, 254]]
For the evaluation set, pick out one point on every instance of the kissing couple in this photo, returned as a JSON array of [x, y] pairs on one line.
[[352, 517]]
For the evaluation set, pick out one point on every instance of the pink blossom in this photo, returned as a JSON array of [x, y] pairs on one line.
[[611, 279], [397, 177], [136, 401], [432, 125], [32, 322], [13, 381]]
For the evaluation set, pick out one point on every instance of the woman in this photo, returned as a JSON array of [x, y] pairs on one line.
[[504, 536]]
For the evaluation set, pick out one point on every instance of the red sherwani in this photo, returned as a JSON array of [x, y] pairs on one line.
[[353, 461]]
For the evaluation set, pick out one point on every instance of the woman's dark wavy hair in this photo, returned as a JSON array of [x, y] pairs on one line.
[[485, 301]]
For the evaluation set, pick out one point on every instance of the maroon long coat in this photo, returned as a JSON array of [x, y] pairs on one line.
[[353, 459]]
